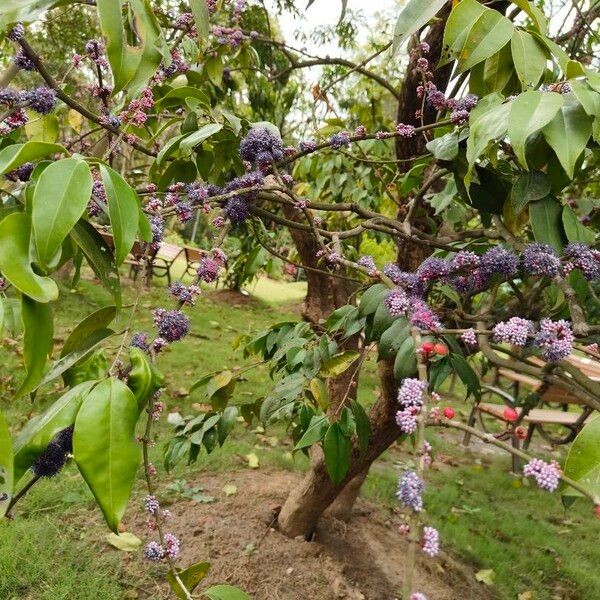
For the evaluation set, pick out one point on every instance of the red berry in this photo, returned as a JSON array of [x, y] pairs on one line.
[[449, 413], [597, 510], [510, 414], [520, 432], [428, 347], [440, 349]]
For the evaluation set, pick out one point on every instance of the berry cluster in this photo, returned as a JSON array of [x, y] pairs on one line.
[[53, 458], [547, 475], [515, 331], [410, 491], [261, 147], [430, 542]]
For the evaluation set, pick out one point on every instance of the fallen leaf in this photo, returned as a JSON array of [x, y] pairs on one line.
[[230, 489], [253, 461], [486, 576], [124, 541], [528, 595]]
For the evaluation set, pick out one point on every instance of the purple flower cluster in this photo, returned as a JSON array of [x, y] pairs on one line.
[[16, 33], [236, 208], [421, 316], [407, 131], [172, 325], [228, 36], [368, 262], [261, 147], [22, 173], [410, 282], [555, 339], [469, 337], [515, 331], [582, 257], [339, 140], [154, 551], [157, 226], [410, 398], [547, 475], [185, 295], [23, 61], [397, 302], [433, 268], [140, 340], [209, 268], [541, 259], [410, 491], [307, 145], [42, 100], [151, 504], [430, 542]]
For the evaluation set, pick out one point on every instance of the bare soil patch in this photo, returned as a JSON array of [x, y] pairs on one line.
[[359, 561]]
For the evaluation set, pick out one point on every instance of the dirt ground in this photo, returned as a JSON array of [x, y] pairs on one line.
[[361, 561]]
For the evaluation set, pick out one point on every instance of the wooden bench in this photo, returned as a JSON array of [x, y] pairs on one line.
[[163, 260], [550, 418], [193, 256]]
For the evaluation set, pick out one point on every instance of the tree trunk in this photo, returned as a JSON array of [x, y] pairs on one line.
[[307, 502]]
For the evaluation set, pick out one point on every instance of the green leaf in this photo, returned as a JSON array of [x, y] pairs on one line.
[[371, 299], [460, 22], [488, 35], [314, 432], [15, 264], [405, 364], [39, 431], [6, 465], [37, 341], [225, 592], [74, 358], [214, 69], [529, 187], [534, 13], [104, 446], [444, 147], [318, 389], [545, 217], [194, 574], [99, 256], [169, 147], [363, 425], [96, 321], [575, 231], [338, 363], [16, 155], [192, 140], [466, 374], [337, 448], [413, 16], [583, 460], [132, 66], [568, 134], [201, 19], [529, 113], [123, 209], [144, 378], [393, 338], [485, 127], [529, 58], [60, 198], [11, 316], [42, 128]]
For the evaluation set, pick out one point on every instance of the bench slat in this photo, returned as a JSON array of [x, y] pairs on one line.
[[537, 415]]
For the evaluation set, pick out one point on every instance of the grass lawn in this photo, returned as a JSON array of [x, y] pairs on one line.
[[56, 547]]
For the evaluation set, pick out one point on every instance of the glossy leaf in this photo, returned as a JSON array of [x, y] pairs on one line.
[[99, 257], [392, 338], [199, 136], [192, 575], [6, 465], [405, 364], [314, 432], [463, 17], [583, 460], [529, 113], [144, 378], [574, 229], [337, 448], [60, 198], [99, 319], [105, 449], [545, 217], [466, 373], [529, 187], [39, 431], [371, 299], [132, 66], [37, 341], [489, 125], [12, 11], [15, 264], [16, 155], [123, 210], [489, 34], [414, 15], [568, 134], [529, 58], [42, 128], [534, 13]]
